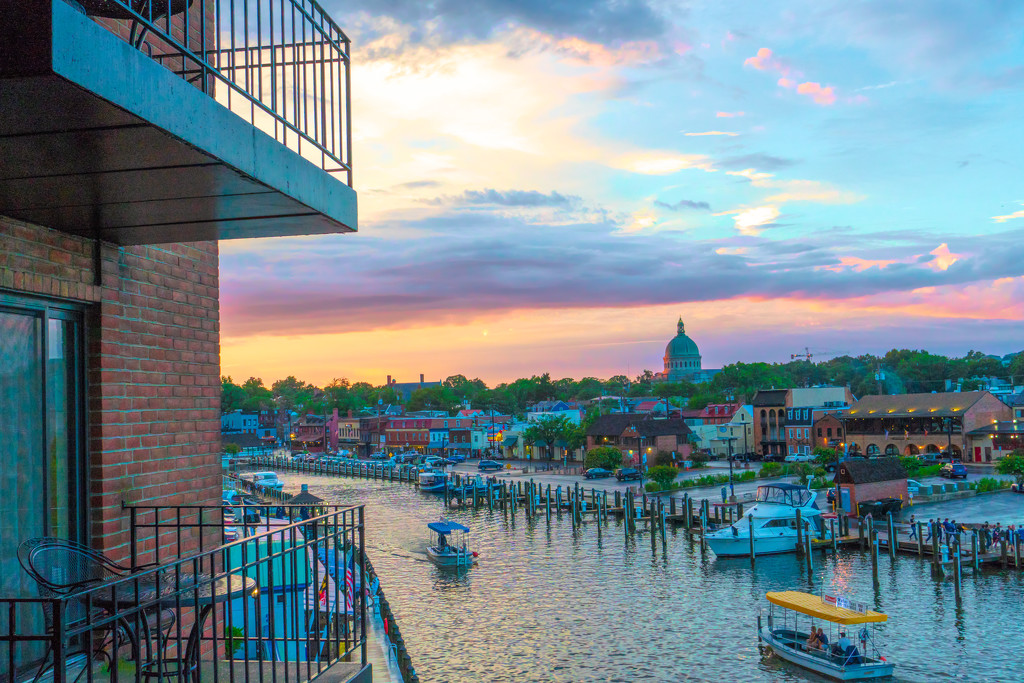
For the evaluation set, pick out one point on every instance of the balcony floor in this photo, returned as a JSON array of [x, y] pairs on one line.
[[342, 672]]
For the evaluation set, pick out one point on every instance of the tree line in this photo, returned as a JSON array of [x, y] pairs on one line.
[[898, 371]]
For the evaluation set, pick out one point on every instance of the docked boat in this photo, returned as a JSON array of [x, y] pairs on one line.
[[841, 653], [267, 479], [772, 521], [449, 545], [433, 481]]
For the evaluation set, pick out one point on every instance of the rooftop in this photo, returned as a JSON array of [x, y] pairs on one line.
[[950, 404]]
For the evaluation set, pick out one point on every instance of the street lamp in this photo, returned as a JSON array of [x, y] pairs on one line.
[[729, 440]]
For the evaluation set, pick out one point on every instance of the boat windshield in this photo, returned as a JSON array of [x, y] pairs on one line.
[[783, 494]]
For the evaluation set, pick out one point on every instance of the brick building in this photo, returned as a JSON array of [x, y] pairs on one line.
[[909, 424], [863, 481], [640, 435], [118, 177], [828, 431], [770, 422]]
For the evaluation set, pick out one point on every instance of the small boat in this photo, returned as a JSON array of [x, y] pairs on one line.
[[433, 481], [449, 552], [790, 621], [772, 521]]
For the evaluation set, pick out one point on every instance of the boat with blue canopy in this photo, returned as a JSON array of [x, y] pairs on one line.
[[448, 547]]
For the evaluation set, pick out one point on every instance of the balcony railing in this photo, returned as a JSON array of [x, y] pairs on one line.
[[284, 65], [286, 601]]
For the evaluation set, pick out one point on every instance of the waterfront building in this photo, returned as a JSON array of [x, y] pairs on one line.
[[995, 440], [639, 437], [862, 481], [772, 412], [724, 429], [122, 168], [405, 389], [315, 433], [828, 430], [909, 424], [799, 422], [770, 422]]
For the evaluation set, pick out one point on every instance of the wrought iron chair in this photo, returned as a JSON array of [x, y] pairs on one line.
[[61, 568]]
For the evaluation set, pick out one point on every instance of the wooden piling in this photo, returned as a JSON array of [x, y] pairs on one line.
[[661, 523], [975, 555], [832, 531], [799, 533], [957, 568], [920, 540], [873, 536], [893, 540], [808, 555]]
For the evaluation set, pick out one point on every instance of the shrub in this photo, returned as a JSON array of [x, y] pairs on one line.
[[699, 459], [652, 487], [821, 482], [603, 456], [986, 484], [771, 469], [663, 458], [232, 449], [663, 474], [748, 475], [1013, 464], [929, 471]]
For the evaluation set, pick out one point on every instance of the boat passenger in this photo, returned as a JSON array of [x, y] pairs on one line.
[[812, 642], [822, 639]]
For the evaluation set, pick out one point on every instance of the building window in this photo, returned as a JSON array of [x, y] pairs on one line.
[[829, 432], [791, 432], [42, 409], [872, 449], [891, 449]]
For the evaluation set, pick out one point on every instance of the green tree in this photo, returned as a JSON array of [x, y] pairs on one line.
[[433, 398], [232, 449], [257, 396], [603, 456], [1013, 465], [664, 475], [547, 430], [232, 396]]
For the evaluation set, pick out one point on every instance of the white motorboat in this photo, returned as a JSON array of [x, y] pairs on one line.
[[433, 481], [449, 547], [852, 657], [772, 521]]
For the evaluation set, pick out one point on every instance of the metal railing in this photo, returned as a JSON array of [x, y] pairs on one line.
[[284, 65], [285, 601]]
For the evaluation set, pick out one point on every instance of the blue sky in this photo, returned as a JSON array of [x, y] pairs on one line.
[[547, 186]]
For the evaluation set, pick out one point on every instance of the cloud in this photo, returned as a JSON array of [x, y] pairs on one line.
[[601, 21], [652, 163], [751, 222], [765, 60], [824, 96], [1009, 216], [750, 174], [944, 258], [683, 204], [756, 160], [526, 198], [711, 132], [729, 114]]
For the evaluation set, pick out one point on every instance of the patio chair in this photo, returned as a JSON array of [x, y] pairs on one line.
[[61, 568]]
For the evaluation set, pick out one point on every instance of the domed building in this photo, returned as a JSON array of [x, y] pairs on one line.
[[682, 360]]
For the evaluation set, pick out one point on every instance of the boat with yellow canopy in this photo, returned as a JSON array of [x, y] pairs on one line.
[[845, 650]]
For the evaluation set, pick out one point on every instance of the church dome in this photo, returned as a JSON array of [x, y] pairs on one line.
[[681, 346]]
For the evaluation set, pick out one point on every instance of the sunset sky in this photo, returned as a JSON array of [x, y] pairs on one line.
[[547, 186]]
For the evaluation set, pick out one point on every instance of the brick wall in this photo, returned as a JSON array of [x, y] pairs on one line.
[[862, 493], [153, 364]]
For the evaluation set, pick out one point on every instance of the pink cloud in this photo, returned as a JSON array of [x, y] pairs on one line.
[[786, 82], [824, 96], [763, 60], [729, 114]]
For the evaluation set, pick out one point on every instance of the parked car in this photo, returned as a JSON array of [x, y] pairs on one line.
[[800, 457], [929, 458], [489, 465], [627, 473], [379, 455], [953, 470], [597, 473], [455, 457]]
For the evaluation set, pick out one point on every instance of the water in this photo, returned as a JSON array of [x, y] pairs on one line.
[[545, 604]]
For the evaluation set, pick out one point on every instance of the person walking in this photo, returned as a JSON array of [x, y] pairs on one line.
[[913, 528], [931, 529]]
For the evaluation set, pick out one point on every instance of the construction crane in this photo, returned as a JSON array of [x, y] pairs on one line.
[[806, 355]]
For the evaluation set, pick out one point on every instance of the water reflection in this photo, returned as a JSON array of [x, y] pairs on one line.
[[549, 603]]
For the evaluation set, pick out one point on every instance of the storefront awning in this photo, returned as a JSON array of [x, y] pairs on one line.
[[510, 441]]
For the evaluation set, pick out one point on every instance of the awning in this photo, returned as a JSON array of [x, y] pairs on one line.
[[445, 528], [814, 606], [510, 441], [540, 444], [561, 443]]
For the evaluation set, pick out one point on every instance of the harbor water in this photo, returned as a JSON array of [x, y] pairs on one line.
[[547, 603]]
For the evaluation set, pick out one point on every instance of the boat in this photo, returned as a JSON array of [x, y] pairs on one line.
[[267, 479], [791, 617], [773, 520], [433, 481], [450, 552]]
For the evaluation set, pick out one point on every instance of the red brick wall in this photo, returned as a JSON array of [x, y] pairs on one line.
[[153, 364], [862, 493]]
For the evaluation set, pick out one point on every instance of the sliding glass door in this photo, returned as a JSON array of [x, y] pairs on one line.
[[42, 406]]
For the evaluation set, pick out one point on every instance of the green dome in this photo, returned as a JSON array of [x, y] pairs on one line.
[[681, 346]]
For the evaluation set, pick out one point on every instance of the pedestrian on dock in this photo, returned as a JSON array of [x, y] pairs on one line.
[[913, 528], [931, 528]]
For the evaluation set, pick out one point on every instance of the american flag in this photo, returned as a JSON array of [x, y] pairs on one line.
[[350, 591]]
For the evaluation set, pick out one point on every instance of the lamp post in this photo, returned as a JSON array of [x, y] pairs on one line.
[[729, 439]]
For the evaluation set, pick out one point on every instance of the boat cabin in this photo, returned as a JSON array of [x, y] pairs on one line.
[[784, 494]]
